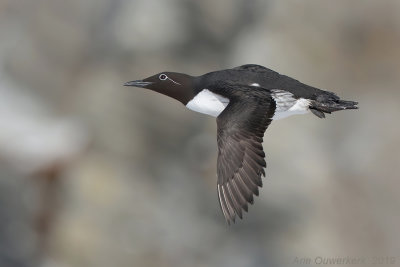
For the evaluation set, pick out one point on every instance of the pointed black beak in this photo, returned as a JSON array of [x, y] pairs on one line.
[[138, 83]]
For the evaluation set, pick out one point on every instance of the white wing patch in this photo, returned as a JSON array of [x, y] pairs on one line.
[[287, 105], [208, 103]]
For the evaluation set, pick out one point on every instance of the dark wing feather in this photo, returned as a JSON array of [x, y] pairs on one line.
[[252, 67], [241, 163]]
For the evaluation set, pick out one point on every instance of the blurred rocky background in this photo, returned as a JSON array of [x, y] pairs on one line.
[[96, 174]]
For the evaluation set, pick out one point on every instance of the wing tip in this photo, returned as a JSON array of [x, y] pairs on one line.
[[228, 209]]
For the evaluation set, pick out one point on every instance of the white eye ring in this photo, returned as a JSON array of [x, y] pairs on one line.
[[163, 77]]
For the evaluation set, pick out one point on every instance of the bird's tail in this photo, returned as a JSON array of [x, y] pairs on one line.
[[329, 103]]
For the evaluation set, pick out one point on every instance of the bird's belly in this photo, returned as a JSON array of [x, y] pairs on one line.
[[209, 103], [287, 105]]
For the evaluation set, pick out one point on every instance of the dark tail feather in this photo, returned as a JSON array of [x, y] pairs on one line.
[[320, 106]]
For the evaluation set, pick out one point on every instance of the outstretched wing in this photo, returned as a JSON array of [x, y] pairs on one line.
[[241, 163]]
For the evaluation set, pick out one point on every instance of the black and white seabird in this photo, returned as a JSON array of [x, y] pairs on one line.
[[244, 100]]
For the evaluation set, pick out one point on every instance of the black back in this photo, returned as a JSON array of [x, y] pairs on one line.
[[266, 78]]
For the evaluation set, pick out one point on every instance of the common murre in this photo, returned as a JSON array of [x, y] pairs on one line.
[[245, 100]]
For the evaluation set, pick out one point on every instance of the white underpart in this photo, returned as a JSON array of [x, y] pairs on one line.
[[255, 84], [212, 104], [208, 103], [287, 105]]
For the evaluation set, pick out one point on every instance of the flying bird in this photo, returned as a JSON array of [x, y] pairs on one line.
[[245, 100]]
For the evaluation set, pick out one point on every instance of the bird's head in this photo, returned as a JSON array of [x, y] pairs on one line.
[[176, 85]]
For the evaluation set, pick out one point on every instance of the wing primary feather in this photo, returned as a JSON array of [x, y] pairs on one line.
[[243, 201], [247, 180], [223, 204], [228, 204], [236, 205], [256, 158], [243, 187], [253, 176]]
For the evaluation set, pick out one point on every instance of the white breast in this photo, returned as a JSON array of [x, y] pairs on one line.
[[208, 103]]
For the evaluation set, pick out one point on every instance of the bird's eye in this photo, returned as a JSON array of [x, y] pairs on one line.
[[163, 77]]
